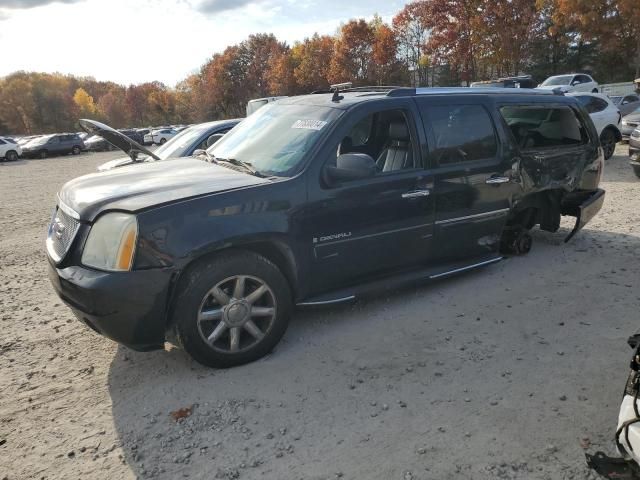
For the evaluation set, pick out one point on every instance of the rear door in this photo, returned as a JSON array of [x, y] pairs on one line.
[[473, 173]]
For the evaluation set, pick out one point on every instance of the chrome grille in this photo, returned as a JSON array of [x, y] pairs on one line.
[[62, 231]]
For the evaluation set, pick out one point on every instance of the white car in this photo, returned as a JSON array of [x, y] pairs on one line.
[[627, 433], [160, 136], [9, 151], [572, 82], [605, 116]]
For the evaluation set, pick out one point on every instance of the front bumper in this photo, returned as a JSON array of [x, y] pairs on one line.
[[127, 307]]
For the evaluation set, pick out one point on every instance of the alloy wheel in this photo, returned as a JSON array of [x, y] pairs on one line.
[[236, 314]]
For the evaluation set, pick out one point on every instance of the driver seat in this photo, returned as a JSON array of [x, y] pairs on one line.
[[398, 153]]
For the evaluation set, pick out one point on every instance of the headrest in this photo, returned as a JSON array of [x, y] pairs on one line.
[[398, 131]]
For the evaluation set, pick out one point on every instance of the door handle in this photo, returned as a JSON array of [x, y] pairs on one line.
[[497, 180], [416, 194]]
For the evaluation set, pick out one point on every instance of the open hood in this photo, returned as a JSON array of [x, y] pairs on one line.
[[117, 139]]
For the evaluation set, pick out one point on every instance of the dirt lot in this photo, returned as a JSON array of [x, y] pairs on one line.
[[508, 372]]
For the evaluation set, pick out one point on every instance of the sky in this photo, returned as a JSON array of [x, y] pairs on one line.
[[134, 41]]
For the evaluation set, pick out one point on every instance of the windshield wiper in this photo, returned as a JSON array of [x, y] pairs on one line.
[[239, 163]]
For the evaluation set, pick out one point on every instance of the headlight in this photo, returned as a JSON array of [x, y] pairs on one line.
[[624, 122], [112, 242]]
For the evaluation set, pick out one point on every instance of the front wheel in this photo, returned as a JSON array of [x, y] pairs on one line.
[[608, 142], [11, 156], [232, 310], [163, 141], [76, 150], [43, 154]]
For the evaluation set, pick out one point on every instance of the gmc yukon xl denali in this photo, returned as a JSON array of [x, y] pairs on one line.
[[316, 200]]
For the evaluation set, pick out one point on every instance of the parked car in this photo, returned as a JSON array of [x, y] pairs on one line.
[[9, 150], [634, 151], [143, 133], [24, 140], [56, 144], [627, 103], [606, 117], [523, 81], [317, 200], [160, 137], [573, 82], [184, 144], [629, 123], [627, 431]]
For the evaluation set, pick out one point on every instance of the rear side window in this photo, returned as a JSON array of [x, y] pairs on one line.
[[463, 133], [592, 104], [540, 127]]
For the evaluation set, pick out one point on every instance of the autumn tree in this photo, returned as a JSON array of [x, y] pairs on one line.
[[85, 103], [353, 54], [614, 24], [312, 60], [411, 29]]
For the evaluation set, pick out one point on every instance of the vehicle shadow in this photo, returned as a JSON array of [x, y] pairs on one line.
[[304, 410]]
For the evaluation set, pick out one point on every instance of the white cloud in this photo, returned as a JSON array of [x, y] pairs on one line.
[[131, 41]]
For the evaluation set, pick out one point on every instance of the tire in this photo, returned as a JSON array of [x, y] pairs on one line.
[[636, 170], [11, 156], [163, 141], [209, 339], [608, 142], [43, 154], [595, 90], [76, 150]]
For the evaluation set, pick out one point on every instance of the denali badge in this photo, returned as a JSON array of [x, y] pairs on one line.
[[335, 236]]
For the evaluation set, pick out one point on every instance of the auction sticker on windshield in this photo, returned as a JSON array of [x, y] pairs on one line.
[[309, 124]]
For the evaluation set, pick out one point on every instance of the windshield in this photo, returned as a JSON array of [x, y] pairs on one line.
[[561, 80], [182, 142], [275, 139], [616, 100]]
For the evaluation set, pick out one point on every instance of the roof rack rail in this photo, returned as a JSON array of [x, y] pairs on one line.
[[390, 90]]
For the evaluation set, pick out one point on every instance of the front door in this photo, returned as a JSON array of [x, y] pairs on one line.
[[473, 176], [359, 229]]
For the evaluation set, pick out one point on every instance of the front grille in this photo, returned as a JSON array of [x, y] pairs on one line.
[[62, 231]]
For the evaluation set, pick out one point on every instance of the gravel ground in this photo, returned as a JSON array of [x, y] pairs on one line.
[[509, 372]]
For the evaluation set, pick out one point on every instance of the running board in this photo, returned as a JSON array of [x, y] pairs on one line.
[[392, 282]]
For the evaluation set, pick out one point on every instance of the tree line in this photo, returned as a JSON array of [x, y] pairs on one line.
[[427, 43]]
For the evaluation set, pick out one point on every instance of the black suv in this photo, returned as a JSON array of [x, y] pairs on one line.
[[316, 200]]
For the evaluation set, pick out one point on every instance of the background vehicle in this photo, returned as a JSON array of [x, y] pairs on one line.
[[160, 136], [630, 122], [573, 82], [295, 204], [257, 103], [9, 151], [183, 144], [627, 103], [634, 151], [56, 144], [606, 117], [627, 433], [524, 81], [143, 133]]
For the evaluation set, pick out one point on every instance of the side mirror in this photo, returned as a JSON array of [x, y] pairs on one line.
[[352, 166], [214, 138]]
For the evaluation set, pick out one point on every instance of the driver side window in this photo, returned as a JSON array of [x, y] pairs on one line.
[[386, 136]]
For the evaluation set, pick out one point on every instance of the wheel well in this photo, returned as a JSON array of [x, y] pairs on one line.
[[615, 131], [276, 252]]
